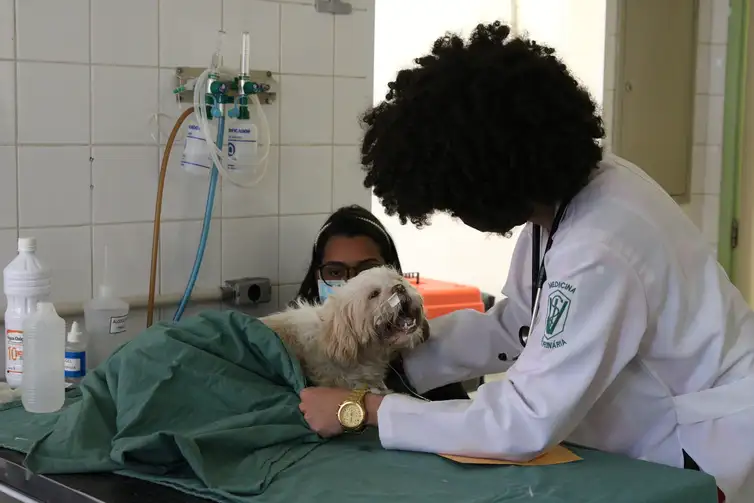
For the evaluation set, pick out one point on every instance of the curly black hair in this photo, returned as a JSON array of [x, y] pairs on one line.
[[485, 130]]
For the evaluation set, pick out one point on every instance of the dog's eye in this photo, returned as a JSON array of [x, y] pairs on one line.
[[374, 294]]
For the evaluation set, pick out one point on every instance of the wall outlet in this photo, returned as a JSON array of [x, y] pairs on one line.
[[249, 291]]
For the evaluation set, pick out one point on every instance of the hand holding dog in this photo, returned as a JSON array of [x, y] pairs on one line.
[[320, 407]]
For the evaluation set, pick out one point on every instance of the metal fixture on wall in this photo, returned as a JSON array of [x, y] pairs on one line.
[[332, 7], [267, 95]]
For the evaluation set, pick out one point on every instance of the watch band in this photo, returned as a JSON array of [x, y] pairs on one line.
[[358, 395]]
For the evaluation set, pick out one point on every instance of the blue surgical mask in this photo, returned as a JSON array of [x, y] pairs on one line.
[[326, 290]]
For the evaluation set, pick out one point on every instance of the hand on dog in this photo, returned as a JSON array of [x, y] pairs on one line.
[[320, 408]]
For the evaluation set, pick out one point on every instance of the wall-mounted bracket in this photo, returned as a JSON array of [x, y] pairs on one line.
[[332, 7], [185, 75]]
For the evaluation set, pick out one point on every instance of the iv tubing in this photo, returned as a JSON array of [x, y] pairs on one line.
[[205, 226], [200, 105], [158, 213]]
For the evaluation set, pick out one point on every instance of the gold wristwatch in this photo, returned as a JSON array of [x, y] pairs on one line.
[[352, 413]]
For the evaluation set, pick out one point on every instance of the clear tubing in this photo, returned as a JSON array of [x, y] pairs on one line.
[[265, 126], [200, 111], [245, 51]]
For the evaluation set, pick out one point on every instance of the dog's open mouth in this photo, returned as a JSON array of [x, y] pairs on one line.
[[398, 317], [404, 322]]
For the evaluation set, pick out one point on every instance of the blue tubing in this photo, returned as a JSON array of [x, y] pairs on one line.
[[214, 175]]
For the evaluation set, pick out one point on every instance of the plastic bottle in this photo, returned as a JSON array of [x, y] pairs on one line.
[[75, 354], [196, 157], [26, 282], [105, 315], [43, 389], [243, 139]]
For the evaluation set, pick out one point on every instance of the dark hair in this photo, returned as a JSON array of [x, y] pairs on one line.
[[484, 130], [349, 221]]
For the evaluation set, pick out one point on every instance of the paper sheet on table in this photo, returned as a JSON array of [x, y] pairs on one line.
[[555, 456]]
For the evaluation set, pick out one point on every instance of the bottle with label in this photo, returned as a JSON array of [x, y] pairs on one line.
[[75, 355], [105, 315], [196, 158], [243, 139], [26, 282], [43, 389]]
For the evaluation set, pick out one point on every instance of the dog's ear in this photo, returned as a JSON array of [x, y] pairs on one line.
[[340, 342]]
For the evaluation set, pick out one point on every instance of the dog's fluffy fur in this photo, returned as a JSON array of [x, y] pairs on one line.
[[342, 343]]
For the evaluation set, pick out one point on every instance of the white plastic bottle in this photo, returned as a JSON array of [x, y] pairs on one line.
[[105, 315], [43, 389], [26, 282], [196, 158], [75, 354], [105, 320], [243, 137]]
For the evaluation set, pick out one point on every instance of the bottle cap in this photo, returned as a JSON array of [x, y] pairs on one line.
[[75, 334], [27, 244]]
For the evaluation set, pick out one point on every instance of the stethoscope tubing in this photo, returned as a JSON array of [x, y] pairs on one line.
[[538, 271]]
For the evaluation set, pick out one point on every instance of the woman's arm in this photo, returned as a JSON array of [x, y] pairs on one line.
[[590, 325], [468, 344], [372, 404]]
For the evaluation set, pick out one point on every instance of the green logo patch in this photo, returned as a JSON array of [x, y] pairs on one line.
[[558, 306]]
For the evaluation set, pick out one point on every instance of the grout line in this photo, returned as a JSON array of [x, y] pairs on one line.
[[307, 3], [161, 145], [160, 67], [91, 157], [15, 103], [160, 151], [280, 136], [172, 220], [332, 124]]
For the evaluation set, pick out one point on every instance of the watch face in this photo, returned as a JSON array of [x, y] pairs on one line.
[[351, 415]]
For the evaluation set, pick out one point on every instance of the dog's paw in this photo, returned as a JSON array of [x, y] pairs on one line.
[[381, 390]]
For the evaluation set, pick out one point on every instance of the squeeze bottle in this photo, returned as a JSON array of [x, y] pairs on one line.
[[75, 354], [43, 389]]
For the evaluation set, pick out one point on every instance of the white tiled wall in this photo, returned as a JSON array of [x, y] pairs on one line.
[[79, 82], [704, 206]]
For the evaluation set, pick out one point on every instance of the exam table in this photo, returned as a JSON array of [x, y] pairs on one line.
[[598, 478], [208, 408]]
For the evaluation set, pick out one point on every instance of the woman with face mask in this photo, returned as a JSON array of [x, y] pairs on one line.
[[351, 241]]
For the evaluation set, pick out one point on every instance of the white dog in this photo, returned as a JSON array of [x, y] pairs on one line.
[[350, 339]]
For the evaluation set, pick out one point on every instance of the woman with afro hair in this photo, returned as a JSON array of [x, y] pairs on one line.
[[622, 333]]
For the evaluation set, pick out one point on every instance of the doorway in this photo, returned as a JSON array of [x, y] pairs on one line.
[[742, 193]]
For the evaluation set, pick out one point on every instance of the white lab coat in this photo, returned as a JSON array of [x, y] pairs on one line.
[[642, 346]]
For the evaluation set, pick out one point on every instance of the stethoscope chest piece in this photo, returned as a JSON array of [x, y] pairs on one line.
[[523, 335]]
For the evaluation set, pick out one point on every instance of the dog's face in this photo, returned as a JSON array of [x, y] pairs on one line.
[[374, 315]]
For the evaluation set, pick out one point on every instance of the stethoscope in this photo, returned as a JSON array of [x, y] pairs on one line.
[[538, 271]]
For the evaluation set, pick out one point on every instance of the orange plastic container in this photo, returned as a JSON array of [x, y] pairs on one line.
[[443, 297]]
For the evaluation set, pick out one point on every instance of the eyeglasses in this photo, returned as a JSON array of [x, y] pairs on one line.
[[338, 271]]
